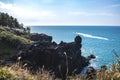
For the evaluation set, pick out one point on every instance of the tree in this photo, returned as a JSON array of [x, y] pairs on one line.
[[28, 29], [6, 20], [9, 21]]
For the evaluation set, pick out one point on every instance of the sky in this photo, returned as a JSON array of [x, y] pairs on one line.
[[64, 12]]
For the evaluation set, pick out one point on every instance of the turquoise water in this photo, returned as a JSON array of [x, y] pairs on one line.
[[100, 40]]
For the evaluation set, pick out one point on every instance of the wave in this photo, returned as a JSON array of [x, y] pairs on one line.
[[91, 36], [93, 62]]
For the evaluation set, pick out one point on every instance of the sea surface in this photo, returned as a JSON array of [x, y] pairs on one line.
[[101, 41]]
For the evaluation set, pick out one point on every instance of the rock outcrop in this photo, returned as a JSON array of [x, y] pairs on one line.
[[62, 59], [40, 37]]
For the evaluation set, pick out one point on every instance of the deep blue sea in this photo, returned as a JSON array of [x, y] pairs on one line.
[[100, 40]]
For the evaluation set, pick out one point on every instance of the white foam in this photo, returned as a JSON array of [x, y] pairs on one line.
[[91, 36], [93, 62]]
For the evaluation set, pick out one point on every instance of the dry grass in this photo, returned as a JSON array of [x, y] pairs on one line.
[[15, 72]]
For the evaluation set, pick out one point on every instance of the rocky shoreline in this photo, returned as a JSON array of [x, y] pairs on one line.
[[61, 59]]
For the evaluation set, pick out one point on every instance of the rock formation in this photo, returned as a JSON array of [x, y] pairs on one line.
[[63, 59], [40, 37]]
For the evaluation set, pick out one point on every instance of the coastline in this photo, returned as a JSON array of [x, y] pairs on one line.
[[25, 53]]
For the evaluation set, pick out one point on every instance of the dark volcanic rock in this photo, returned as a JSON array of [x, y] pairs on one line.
[[90, 73], [40, 37], [62, 59]]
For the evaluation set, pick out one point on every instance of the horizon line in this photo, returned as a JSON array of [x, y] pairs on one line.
[[75, 25]]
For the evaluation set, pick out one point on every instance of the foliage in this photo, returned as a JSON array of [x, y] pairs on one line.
[[9, 42], [6, 20], [15, 40], [9, 21]]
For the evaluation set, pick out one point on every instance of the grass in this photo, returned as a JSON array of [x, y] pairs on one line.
[[13, 39], [15, 72]]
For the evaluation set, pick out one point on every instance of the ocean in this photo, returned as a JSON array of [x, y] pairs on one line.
[[98, 40]]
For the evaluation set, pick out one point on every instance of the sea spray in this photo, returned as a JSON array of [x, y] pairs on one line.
[[92, 64]]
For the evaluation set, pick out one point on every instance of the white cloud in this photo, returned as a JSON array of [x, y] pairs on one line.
[[26, 14], [6, 6], [77, 13], [30, 15]]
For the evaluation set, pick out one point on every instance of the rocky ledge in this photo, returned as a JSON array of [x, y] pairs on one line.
[[61, 59]]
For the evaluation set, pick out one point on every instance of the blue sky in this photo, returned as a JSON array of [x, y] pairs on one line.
[[63, 12]]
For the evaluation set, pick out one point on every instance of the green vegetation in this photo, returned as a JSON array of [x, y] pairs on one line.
[[11, 22], [6, 20], [9, 43], [12, 34], [15, 40], [5, 74]]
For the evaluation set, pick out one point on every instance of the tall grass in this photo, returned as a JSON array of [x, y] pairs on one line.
[[15, 72]]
